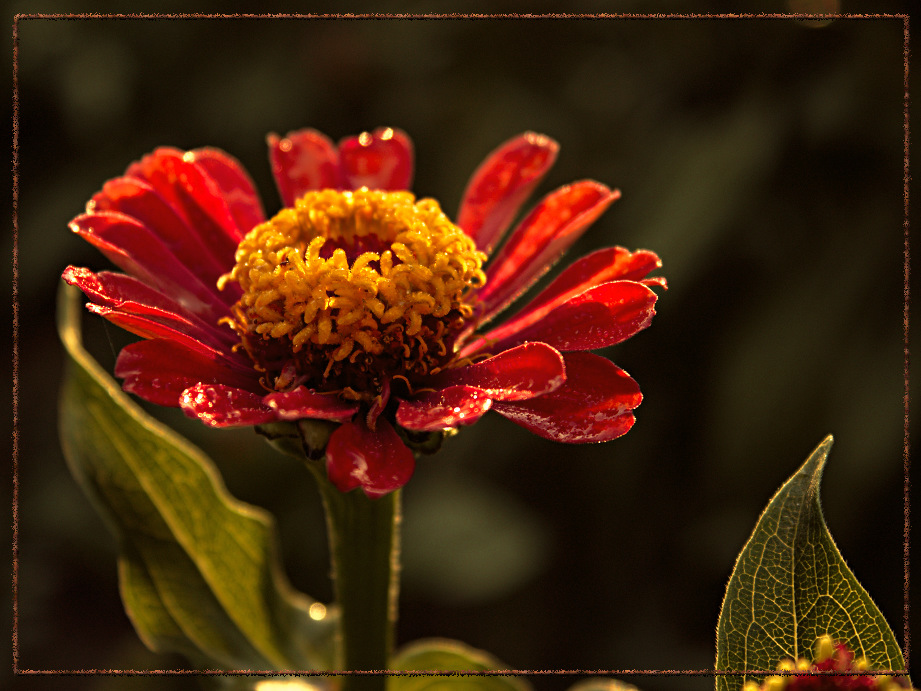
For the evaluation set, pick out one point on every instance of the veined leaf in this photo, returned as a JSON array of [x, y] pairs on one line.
[[442, 655], [790, 586], [198, 569]]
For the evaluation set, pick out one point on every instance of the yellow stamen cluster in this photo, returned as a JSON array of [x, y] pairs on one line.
[[824, 651], [355, 281]]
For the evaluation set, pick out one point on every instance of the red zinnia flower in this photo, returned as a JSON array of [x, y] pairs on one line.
[[830, 656], [358, 304]]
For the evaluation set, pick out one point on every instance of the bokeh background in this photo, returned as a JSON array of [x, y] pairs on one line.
[[761, 159]]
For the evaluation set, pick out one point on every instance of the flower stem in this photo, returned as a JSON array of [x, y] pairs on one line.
[[364, 545]]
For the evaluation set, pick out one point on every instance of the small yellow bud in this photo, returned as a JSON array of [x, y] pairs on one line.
[[786, 665], [776, 683], [824, 648]]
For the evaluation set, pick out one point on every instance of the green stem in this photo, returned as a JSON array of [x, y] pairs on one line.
[[364, 545]]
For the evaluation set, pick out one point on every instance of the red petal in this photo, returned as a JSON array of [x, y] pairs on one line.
[[601, 266], [542, 237], [235, 185], [599, 317], [148, 323], [196, 195], [595, 404], [159, 370], [125, 293], [501, 185], [379, 160], [224, 406], [305, 403], [136, 250], [137, 198], [304, 160], [526, 371], [436, 410], [376, 460]]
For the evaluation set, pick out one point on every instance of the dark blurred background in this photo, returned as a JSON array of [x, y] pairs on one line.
[[761, 159]]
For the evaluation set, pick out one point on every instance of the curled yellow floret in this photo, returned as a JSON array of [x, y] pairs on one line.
[[369, 278]]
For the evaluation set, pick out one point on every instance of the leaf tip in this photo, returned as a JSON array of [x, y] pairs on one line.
[[816, 461]]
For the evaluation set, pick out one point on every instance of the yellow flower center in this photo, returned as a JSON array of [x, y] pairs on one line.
[[349, 289]]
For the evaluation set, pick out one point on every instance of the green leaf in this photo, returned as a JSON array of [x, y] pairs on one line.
[[442, 655], [199, 570], [790, 586]]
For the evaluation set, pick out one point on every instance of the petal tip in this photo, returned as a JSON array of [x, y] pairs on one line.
[[541, 140], [282, 144], [72, 274]]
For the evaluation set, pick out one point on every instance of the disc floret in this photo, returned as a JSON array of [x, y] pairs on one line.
[[349, 289]]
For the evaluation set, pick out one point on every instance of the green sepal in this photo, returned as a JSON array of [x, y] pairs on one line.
[[425, 442], [199, 570], [302, 439], [790, 585], [443, 655]]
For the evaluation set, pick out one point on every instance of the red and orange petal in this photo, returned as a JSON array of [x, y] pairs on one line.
[[525, 371], [126, 294], [197, 196], [376, 460], [541, 239], [595, 404], [236, 187], [462, 395], [601, 316], [173, 222], [307, 160], [159, 370], [500, 186], [601, 266], [221, 405], [136, 250], [304, 403], [433, 411]]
